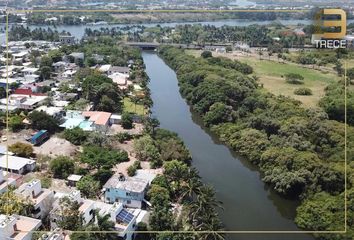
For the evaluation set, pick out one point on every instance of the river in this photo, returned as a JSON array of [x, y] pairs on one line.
[[79, 30], [248, 203]]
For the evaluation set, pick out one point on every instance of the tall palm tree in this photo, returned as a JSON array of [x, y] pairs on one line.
[[192, 186], [203, 206]]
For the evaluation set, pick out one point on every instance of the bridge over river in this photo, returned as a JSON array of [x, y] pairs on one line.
[[154, 45]]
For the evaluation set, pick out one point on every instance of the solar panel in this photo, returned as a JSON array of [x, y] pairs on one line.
[[125, 216]]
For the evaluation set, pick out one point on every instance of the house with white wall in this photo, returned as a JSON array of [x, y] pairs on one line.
[[125, 220], [18, 227], [86, 208], [6, 182], [41, 198]]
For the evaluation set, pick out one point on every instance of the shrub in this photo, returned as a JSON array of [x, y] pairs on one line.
[[21, 149], [294, 78], [303, 91], [123, 136], [127, 121], [132, 169], [206, 54], [15, 123], [76, 136], [62, 167]]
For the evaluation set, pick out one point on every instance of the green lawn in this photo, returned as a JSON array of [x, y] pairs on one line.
[[272, 76], [129, 106]]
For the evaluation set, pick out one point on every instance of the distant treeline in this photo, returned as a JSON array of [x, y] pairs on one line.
[[21, 33]]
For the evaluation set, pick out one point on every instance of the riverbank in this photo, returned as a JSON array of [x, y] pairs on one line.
[[261, 127], [248, 204]]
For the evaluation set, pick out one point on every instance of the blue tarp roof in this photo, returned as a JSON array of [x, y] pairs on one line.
[[38, 134]]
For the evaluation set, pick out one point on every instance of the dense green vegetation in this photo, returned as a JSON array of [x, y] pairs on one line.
[[179, 185], [22, 149], [303, 91], [300, 152], [19, 32], [334, 103]]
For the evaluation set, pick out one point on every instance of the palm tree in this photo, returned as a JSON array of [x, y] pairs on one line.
[[270, 54], [192, 186], [211, 227], [279, 56], [203, 206], [134, 100]]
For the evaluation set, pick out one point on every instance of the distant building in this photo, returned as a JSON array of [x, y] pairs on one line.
[[87, 121], [59, 66], [104, 68], [18, 227], [66, 39], [128, 191], [55, 112], [299, 32], [117, 69], [69, 73], [78, 55], [119, 78], [350, 40], [41, 198], [29, 102], [100, 120]]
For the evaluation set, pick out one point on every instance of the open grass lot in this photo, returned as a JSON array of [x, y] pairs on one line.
[[129, 106], [272, 75]]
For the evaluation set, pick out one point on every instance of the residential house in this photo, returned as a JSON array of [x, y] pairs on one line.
[[86, 207], [120, 79], [87, 121], [24, 102], [66, 39], [18, 165], [31, 74], [56, 112], [78, 55], [69, 73], [18, 227], [129, 191], [125, 220], [104, 68], [5, 182], [28, 90], [41, 198], [59, 66], [100, 120], [9, 81], [117, 69]]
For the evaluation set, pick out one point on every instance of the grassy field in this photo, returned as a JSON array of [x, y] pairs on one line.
[[129, 106], [272, 75]]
